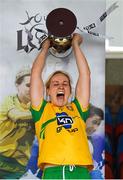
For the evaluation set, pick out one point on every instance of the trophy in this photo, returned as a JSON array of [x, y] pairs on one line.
[[60, 24]]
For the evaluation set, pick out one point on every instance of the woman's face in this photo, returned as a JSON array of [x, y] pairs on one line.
[[59, 89], [92, 124]]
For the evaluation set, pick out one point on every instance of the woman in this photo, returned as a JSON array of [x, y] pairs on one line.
[[60, 125]]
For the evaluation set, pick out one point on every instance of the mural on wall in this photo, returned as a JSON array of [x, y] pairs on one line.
[[39, 32], [22, 32]]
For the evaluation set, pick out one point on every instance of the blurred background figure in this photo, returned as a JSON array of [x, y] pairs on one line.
[[119, 143], [95, 133], [109, 159], [114, 92], [16, 129]]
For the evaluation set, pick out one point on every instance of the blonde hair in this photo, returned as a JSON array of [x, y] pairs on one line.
[[47, 84]]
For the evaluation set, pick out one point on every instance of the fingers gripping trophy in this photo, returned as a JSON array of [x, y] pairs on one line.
[[61, 23]]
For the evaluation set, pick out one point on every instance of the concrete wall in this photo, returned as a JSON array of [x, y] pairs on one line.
[[114, 71]]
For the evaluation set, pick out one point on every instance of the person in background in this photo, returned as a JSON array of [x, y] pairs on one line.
[[96, 115], [60, 125], [96, 139], [16, 129]]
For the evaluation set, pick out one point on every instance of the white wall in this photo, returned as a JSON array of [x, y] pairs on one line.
[[114, 24]]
